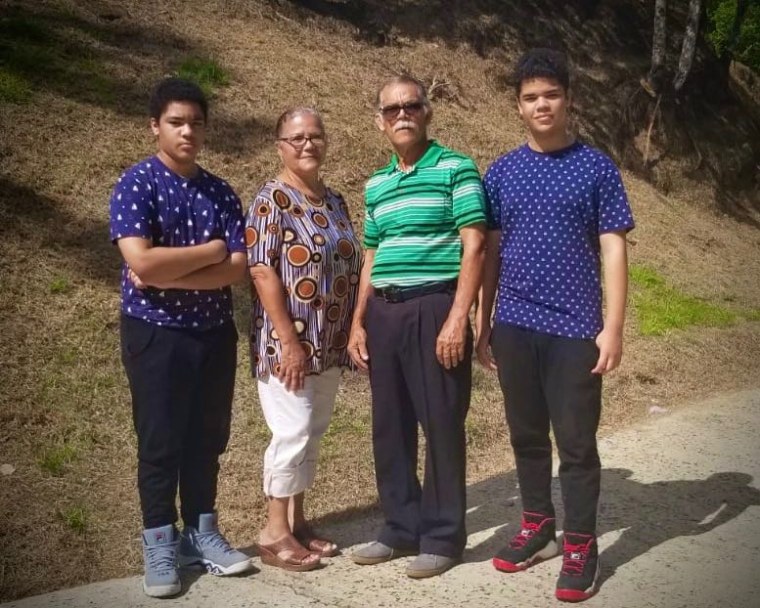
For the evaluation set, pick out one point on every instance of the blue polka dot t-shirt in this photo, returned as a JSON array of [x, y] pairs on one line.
[[551, 209], [153, 202]]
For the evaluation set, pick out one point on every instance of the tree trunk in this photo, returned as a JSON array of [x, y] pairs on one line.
[[659, 39], [689, 44]]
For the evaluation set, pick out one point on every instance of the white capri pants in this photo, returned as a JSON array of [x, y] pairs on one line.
[[297, 421]]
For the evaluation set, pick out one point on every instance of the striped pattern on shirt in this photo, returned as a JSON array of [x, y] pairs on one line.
[[413, 219]]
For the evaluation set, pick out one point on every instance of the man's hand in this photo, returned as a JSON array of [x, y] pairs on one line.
[[357, 346], [449, 347], [610, 343], [292, 366], [483, 348]]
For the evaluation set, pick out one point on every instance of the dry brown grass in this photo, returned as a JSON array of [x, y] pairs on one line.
[[61, 377]]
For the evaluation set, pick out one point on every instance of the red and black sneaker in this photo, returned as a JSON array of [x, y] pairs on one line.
[[536, 541], [580, 568]]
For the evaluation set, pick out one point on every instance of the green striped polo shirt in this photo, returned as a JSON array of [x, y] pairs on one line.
[[413, 219]]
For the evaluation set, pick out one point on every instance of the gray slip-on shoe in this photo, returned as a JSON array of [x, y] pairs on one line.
[[377, 553], [428, 564]]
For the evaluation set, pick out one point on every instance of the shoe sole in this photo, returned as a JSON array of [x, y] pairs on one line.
[[549, 551], [214, 568], [372, 561], [161, 590], [579, 595], [431, 572]]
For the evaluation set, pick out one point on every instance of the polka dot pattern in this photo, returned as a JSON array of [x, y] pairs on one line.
[[551, 209], [153, 202]]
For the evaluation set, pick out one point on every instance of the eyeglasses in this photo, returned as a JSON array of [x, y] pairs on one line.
[[299, 141], [411, 108]]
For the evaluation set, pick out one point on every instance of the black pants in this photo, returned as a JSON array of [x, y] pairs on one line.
[[182, 383], [547, 379], [409, 386]]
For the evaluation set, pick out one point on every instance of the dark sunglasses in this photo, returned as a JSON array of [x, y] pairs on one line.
[[411, 108]]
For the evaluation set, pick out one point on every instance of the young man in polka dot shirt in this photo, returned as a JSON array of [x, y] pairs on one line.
[[180, 231], [555, 206]]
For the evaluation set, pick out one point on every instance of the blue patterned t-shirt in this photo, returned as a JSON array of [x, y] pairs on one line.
[[551, 209], [153, 202]]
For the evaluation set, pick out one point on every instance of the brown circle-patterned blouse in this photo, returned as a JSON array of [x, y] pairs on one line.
[[312, 246]]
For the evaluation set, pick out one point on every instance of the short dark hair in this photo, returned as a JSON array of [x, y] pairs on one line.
[[541, 63], [176, 89], [403, 79]]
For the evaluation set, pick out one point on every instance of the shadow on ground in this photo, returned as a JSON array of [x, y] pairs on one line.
[[100, 56], [32, 220], [648, 514]]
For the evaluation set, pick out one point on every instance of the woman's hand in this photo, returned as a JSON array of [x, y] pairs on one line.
[[292, 366]]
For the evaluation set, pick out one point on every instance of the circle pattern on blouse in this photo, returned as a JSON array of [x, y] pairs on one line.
[[313, 248]]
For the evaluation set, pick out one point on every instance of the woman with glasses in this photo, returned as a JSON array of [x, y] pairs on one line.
[[304, 261]]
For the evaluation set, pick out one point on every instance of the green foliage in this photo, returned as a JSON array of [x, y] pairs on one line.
[[721, 14], [75, 518], [55, 459], [206, 73], [660, 308]]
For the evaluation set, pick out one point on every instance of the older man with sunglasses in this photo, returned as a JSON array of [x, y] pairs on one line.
[[424, 238]]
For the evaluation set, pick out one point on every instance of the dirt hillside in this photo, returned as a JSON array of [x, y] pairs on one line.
[[68, 506]]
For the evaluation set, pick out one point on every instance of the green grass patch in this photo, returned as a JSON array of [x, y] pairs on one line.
[[13, 88], [60, 285], [661, 308], [75, 518], [206, 73], [55, 459], [752, 315]]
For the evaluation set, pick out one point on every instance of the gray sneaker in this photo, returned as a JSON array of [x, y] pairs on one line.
[[160, 553], [377, 553], [205, 546], [429, 564]]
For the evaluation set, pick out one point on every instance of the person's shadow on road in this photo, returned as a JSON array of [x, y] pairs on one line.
[[648, 514], [653, 513]]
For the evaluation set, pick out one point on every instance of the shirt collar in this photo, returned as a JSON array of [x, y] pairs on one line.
[[430, 158]]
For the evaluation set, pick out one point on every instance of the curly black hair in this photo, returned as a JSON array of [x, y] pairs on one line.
[[541, 63], [176, 89]]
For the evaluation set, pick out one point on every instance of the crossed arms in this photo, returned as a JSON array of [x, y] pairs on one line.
[[206, 266]]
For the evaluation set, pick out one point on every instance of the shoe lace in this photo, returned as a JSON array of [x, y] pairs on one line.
[[574, 559], [527, 531], [215, 540], [162, 557]]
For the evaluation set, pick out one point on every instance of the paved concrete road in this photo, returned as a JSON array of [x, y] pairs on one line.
[[679, 527]]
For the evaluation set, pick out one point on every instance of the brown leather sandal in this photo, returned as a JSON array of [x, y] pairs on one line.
[[321, 546], [270, 555]]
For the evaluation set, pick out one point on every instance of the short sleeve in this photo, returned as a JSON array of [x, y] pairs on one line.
[[493, 202], [131, 207], [468, 202], [233, 223], [614, 213], [263, 232]]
